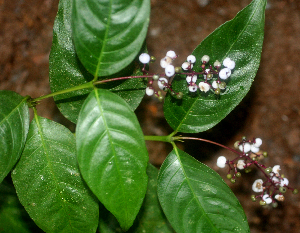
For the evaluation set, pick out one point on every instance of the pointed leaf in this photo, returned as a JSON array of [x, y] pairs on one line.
[[49, 184], [14, 125], [112, 154], [109, 34], [196, 199], [150, 219], [66, 71], [240, 39]]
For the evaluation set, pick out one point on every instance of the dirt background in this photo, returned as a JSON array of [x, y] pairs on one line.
[[270, 111]]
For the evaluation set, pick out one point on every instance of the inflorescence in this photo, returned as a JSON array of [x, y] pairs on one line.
[[213, 77], [272, 188]]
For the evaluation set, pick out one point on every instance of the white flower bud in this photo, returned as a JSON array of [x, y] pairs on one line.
[[193, 88], [170, 70], [284, 182], [191, 59], [258, 186], [221, 161], [217, 64], [225, 73], [171, 54], [149, 91], [186, 65], [229, 63], [205, 59], [257, 142], [276, 169], [245, 147], [241, 164], [254, 149], [164, 62], [279, 197], [161, 83], [267, 198], [190, 78], [204, 86], [275, 180], [144, 58]]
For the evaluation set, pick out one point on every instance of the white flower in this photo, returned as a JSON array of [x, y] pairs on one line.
[[275, 180], [267, 198], [284, 182], [191, 59], [245, 147], [279, 197], [229, 63], [144, 58], [276, 169], [190, 78], [204, 86], [170, 70], [161, 83], [171, 54], [221, 161], [254, 149], [257, 142], [186, 65], [258, 185], [240, 164], [205, 59], [215, 84], [225, 73], [149, 91], [193, 88], [164, 62]]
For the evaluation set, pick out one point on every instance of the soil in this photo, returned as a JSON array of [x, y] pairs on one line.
[[270, 111]]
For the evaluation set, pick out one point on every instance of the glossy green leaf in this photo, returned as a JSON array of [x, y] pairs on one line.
[[109, 34], [240, 39], [112, 154], [14, 125], [150, 219], [196, 199], [48, 181], [66, 71]]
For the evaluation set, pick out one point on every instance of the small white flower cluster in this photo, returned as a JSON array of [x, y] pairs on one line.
[[275, 181], [275, 185], [208, 73], [166, 63], [251, 146]]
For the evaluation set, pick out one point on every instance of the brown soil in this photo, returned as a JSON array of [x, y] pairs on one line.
[[270, 111]]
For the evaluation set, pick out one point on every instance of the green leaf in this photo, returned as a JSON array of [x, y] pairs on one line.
[[112, 154], [14, 124], [150, 219], [109, 34], [12, 214], [48, 181], [240, 39], [66, 71], [196, 199]]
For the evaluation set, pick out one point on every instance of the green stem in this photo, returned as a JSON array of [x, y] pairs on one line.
[[158, 138], [83, 86]]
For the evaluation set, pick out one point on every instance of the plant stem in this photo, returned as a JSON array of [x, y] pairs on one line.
[[158, 138], [83, 86], [205, 140], [121, 78]]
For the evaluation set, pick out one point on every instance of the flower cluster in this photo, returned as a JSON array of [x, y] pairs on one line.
[[272, 188], [213, 77]]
